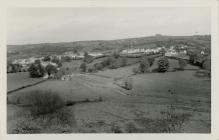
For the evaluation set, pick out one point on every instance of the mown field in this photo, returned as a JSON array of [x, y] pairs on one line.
[[143, 109]]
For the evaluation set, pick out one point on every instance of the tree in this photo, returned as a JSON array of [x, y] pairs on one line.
[[51, 69], [98, 66], [144, 65], [57, 61], [151, 60], [47, 58], [128, 83], [87, 58], [36, 70], [83, 67], [182, 64], [66, 59], [207, 64], [116, 54], [163, 64]]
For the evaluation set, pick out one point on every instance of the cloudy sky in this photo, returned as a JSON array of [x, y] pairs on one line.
[[41, 25]]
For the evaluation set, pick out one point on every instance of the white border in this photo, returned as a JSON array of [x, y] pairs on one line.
[[213, 4]]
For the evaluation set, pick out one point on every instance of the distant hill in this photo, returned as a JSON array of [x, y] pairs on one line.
[[21, 51]]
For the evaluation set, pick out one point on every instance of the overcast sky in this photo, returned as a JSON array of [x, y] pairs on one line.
[[41, 25]]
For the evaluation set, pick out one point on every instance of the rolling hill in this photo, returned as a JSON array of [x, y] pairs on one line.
[[27, 50]]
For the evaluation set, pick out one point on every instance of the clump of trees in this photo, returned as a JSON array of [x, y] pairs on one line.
[[51, 69], [13, 68], [163, 64], [66, 59], [36, 69], [110, 62], [47, 58], [144, 65], [87, 58], [57, 61], [83, 67]]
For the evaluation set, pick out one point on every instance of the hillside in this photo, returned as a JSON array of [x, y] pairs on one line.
[[18, 51]]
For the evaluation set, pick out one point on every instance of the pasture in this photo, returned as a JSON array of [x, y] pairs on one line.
[[141, 109], [21, 79]]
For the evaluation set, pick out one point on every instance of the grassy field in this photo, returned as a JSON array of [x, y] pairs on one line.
[[17, 80], [140, 110]]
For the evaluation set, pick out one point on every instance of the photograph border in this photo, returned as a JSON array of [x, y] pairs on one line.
[[213, 4]]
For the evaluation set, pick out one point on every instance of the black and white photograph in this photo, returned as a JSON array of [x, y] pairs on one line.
[[109, 70]]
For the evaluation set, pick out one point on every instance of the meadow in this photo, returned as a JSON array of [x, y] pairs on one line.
[[144, 109], [21, 79]]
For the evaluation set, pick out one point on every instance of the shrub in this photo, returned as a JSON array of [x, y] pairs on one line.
[[163, 64], [26, 125], [87, 58], [115, 129], [66, 59], [83, 67], [98, 66], [144, 65], [116, 54], [151, 60], [42, 102], [47, 58], [131, 128], [128, 83], [182, 64], [90, 70], [207, 64]]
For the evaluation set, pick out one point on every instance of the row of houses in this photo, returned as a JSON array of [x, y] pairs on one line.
[[141, 50], [81, 54]]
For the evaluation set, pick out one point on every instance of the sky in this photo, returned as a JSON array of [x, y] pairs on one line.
[[48, 25]]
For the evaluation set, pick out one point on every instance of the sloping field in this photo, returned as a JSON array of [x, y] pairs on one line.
[[141, 111], [21, 79]]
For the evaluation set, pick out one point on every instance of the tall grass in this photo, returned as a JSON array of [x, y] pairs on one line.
[[46, 113]]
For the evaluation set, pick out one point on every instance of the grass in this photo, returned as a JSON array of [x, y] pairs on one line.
[[114, 112], [21, 79], [47, 112]]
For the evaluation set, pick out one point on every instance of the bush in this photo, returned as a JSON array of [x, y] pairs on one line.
[[116, 129], [90, 70], [43, 102], [128, 83], [151, 60], [12, 68], [144, 65], [88, 58], [116, 54], [66, 59], [26, 125], [182, 64], [47, 58], [98, 66], [207, 64], [163, 64], [83, 67]]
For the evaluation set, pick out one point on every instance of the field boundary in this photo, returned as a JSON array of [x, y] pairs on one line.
[[23, 87]]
